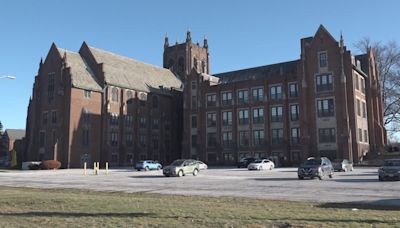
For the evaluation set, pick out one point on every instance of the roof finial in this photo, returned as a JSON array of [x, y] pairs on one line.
[[205, 45], [188, 36], [166, 44], [341, 40], [41, 61]]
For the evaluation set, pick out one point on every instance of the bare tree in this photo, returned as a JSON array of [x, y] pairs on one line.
[[388, 60]]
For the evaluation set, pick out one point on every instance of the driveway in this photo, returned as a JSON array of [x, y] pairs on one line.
[[359, 186]]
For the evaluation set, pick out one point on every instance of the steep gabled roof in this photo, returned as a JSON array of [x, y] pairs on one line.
[[129, 73], [257, 73], [14, 134], [81, 75]]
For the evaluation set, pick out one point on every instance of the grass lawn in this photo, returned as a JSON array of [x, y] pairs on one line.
[[25, 207]]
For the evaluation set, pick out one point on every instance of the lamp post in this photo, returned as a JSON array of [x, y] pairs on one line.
[[8, 77]]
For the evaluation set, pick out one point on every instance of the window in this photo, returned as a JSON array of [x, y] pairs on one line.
[[324, 82], [244, 138], [227, 139], [365, 136], [114, 138], [295, 135], [364, 110], [327, 135], [194, 102], [357, 81], [194, 85], [360, 138], [277, 136], [155, 142], [228, 157], [211, 119], [129, 120], [294, 112], [142, 122], [276, 114], [129, 97], [114, 94], [194, 141], [50, 87], [54, 117], [275, 92], [243, 96], [129, 139], [258, 94], [142, 140], [258, 137], [211, 100], [85, 137], [156, 124], [44, 118], [226, 98], [258, 116], [194, 121], [211, 139], [227, 118], [113, 119], [155, 101], [362, 82], [323, 61], [358, 108], [88, 94], [325, 108], [42, 139], [293, 90], [243, 117]]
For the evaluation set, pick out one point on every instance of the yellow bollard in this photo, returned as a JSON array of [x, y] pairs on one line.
[[106, 168], [84, 168]]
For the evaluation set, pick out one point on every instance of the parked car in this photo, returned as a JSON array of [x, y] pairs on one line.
[[261, 164], [315, 167], [182, 167], [202, 165], [342, 165], [390, 170], [148, 165], [244, 162]]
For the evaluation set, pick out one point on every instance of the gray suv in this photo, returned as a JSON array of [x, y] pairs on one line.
[[315, 167], [390, 170]]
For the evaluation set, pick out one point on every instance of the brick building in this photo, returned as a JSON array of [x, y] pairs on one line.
[[327, 103], [97, 106]]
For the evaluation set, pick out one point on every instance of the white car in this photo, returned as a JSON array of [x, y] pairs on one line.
[[202, 165], [261, 164]]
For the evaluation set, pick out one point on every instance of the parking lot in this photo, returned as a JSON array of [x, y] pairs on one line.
[[359, 186]]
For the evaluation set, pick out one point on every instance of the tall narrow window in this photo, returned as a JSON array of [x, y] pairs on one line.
[[211, 100], [295, 135], [227, 139], [44, 117], [358, 108], [294, 112], [226, 98], [293, 90], [323, 62], [194, 121], [258, 116], [258, 94], [258, 137], [325, 108], [276, 114], [244, 138], [50, 87], [324, 82], [243, 96], [277, 136], [275, 92], [227, 118], [211, 119], [54, 117], [114, 94], [243, 117]]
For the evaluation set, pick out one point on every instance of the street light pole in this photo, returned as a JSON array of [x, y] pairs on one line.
[[8, 77]]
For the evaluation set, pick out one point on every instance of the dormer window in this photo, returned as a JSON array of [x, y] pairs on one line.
[[114, 94]]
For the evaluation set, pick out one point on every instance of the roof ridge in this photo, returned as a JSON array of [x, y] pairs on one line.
[[128, 58], [251, 68]]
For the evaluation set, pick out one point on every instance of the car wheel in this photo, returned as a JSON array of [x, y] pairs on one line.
[[180, 173], [138, 169], [345, 169], [146, 168], [195, 172], [300, 177], [331, 175], [351, 169]]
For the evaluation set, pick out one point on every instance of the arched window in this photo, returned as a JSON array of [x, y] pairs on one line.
[[129, 97], [155, 102], [195, 63], [181, 65], [114, 94]]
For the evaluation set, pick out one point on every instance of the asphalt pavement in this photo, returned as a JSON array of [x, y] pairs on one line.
[[358, 186]]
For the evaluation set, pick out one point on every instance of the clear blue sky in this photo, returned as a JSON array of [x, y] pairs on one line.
[[240, 34]]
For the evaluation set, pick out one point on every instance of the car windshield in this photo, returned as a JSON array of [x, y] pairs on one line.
[[338, 160], [391, 163], [312, 162], [257, 161], [177, 162], [140, 161]]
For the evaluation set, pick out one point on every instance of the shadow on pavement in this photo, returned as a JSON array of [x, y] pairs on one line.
[[355, 180], [385, 204], [147, 176], [276, 179]]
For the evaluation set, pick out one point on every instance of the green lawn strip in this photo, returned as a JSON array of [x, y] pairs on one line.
[[28, 207]]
